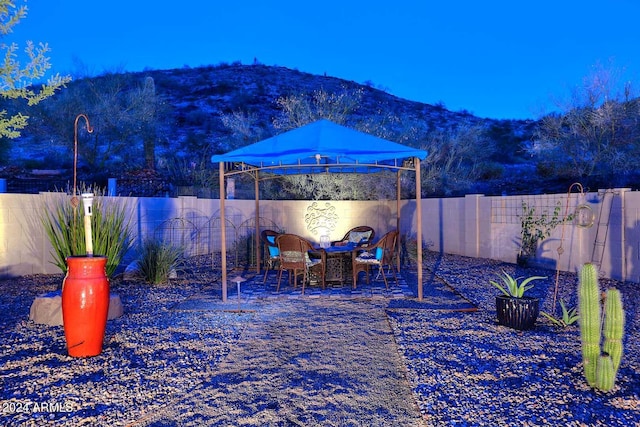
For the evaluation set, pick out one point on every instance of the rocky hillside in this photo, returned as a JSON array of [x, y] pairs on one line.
[[193, 99], [198, 96]]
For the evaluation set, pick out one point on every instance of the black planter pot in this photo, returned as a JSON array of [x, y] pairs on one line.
[[517, 313]]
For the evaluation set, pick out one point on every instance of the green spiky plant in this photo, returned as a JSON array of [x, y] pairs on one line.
[[601, 363], [514, 287], [156, 260], [569, 316], [110, 228]]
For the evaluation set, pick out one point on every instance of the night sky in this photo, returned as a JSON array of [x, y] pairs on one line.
[[496, 59]]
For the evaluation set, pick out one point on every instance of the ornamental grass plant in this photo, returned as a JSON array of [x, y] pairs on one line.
[[110, 228], [157, 259]]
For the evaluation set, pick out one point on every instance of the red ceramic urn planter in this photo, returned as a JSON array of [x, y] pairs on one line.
[[85, 305]]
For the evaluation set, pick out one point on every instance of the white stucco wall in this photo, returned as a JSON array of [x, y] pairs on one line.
[[474, 225]]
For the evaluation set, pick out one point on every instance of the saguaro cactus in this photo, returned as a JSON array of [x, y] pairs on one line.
[[589, 299], [600, 366]]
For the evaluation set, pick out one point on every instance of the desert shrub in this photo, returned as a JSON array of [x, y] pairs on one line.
[[157, 259], [455, 159], [301, 109], [491, 170], [595, 132], [339, 186], [110, 229]]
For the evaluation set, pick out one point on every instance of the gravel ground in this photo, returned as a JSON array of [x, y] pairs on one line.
[[468, 370], [162, 366]]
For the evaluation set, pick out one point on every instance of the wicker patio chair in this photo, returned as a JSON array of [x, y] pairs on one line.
[[298, 256], [382, 254], [361, 235]]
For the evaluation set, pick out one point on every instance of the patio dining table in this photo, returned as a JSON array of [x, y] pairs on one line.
[[339, 258]]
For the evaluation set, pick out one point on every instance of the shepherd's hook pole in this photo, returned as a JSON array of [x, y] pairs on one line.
[[74, 198]]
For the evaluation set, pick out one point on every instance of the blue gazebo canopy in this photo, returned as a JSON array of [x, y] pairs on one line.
[[321, 146]]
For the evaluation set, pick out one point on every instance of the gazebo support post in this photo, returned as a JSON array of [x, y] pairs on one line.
[[419, 224], [223, 230], [256, 187], [398, 200]]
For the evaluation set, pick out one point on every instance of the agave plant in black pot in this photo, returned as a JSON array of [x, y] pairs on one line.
[[513, 308]]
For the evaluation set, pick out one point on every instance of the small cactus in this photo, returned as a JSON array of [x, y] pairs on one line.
[[600, 366], [613, 327]]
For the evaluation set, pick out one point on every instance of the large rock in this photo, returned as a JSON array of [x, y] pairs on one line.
[[47, 308]]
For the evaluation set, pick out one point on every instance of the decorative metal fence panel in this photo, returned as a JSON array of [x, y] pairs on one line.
[[508, 210], [205, 238]]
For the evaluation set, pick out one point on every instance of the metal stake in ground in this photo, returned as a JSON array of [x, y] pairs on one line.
[[238, 280]]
